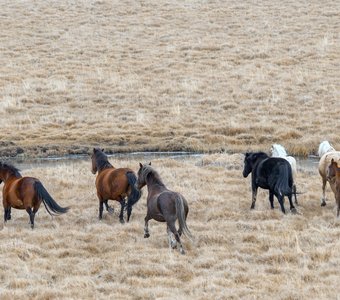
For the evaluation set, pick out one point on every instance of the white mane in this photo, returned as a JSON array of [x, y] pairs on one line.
[[325, 147], [278, 150]]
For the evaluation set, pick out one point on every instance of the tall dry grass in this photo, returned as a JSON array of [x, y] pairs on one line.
[[237, 253], [158, 75]]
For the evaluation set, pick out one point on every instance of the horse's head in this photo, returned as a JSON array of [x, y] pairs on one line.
[[94, 155], [332, 169], [250, 160], [142, 174]]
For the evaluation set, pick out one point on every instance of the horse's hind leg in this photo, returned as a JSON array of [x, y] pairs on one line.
[[172, 228], [271, 199], [172, 242], [101, 208], [323, 199], [280, 198], [31, 214], [121, 215], [294, 192], [292, 207], [109, 209]]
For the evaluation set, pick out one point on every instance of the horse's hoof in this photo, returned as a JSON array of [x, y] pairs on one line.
[[110, 210], [181, 251], [252, 206], [293, 211], [323, 204], [146, 235], [173, 245], [121, 221]]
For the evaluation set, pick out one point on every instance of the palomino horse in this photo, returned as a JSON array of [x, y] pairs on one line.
[[163, 205], [25, 193], [333, 173], [114, 184], [326, 153], [270, 173], [278, 150]]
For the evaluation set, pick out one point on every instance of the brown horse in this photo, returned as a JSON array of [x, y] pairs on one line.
[[163, 205], [25, 193], [114, 184], [326, 153], [334, 175]]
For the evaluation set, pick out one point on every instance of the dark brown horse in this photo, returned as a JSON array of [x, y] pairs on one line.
[[114, 184], [25, 193], [333, 175], [163, 205]]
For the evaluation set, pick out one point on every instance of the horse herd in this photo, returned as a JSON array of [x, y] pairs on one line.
[[276, 174]]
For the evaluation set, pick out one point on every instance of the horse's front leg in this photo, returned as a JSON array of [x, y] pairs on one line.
[[146, 227], [271, 199], [253, 199], [323, 199]]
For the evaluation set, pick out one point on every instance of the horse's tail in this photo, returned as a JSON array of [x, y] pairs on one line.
[[135, 193], [51, 206], [284, 182], [182, 217]]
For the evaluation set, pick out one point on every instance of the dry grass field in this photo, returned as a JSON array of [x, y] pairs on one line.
[[236, 253], [218, 77], [168, 75]]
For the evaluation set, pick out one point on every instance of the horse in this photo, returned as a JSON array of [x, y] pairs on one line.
[[270, 173], [114, 184], [333, 173], [164, 205], [25, 193], [278, 150], [326, 153]]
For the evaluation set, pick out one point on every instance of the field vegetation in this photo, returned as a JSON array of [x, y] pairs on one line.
[[218, 77]]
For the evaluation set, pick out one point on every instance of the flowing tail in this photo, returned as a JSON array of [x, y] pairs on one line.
[[182, 218], [51, 206], [284, 183], [135, 193]]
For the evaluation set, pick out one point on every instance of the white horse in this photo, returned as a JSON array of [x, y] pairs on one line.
[[278, 150], [326, 153]]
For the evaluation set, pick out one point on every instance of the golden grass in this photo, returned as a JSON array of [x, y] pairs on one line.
[[236, 253], [157, 75]]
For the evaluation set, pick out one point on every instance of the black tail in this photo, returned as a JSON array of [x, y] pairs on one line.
[[135, 193], [51, 206], [284, 182]]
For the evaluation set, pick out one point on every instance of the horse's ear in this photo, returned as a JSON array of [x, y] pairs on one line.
[[94, 150], [150, 163], [103, 150], [140, 165], [332, 161]]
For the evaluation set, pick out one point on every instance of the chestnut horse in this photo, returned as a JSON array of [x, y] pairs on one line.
[[163, 205], [114, 184], [333, 173], [326, 153], [25, 193]]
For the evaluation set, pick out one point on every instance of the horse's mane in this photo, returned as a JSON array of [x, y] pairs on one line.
[[101, 160], [279, 150], [8, 167], [325, 147], [148, 172]]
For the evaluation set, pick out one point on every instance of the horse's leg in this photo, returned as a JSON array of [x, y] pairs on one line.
[[146, 227], [30, 213], [292, 207], [280, 198], [172, 228], [323, 199], [294, 191], [172, 242], [122, 206], [271, 199], [101, 208], [109, 209], [6, 210], [9, 209], [254, 194]]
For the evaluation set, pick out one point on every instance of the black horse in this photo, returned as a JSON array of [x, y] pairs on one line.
[[270, 173]]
